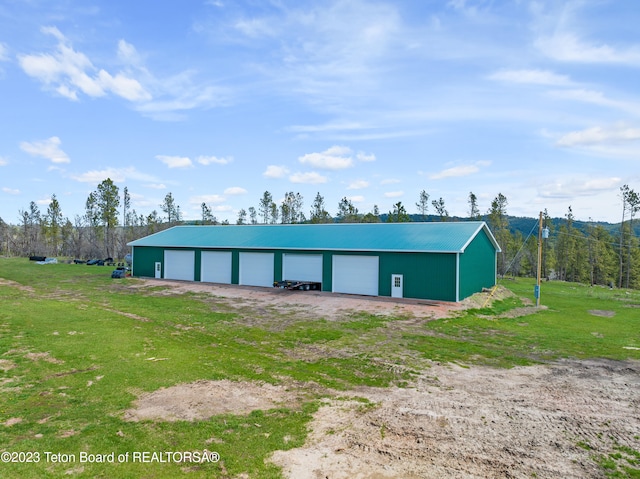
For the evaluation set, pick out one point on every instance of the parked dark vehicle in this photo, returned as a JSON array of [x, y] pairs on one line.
[[37, 258], [99, 262]]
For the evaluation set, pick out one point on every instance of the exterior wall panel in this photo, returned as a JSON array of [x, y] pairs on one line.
[[477, 266], [425, 275], [144, 260]]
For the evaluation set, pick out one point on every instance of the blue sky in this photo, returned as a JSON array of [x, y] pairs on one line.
[[217, 101]]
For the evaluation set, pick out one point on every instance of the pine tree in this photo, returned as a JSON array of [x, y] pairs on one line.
[[423, 205]]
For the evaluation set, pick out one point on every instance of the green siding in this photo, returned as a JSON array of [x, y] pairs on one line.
[[145, 259], [197, 265], [235, 267], [425, 275], [477, 266], [327, 279]]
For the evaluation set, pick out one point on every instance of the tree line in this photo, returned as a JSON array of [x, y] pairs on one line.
[[594, 254]]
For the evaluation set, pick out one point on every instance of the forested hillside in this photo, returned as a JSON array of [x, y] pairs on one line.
[[587, 252]]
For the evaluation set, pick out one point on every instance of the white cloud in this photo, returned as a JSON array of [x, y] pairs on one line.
[[70, 72], [128, 54], [49, 149], [356, 198], [310, 178], [118, 175], [123, 86], [235, 190], [275, 171], [390, 181], [4, 53], [458, 171], [327, 127], [11, 191], [576, 186], [199, 199], [361, 156], [256, 27], [3, 161], [590, 136], [334, 158], [393, 194], [175, 161], [208, 160], [596, 98], [221, 208], [358, 185], [536, 77], [156, 186], [567, 47], [328, 47]]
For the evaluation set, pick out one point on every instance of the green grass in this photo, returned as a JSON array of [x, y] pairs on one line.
[[562, 328], [69, 325]]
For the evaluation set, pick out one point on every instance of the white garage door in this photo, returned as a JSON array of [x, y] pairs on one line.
[[215, 267], [256, 269], [355, 274], [302, 267], [179, 264]]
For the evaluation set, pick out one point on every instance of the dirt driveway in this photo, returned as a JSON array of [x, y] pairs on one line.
[[555, 421]]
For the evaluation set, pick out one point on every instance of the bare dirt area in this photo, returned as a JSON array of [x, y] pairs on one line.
[[542, 421], [203, 399], [558, 420], [312, 304], [13, 284]]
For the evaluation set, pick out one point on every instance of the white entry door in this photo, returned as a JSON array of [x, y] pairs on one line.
[[158, 271], [396, 285]]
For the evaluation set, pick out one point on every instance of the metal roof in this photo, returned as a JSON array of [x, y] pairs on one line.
[[445, 237]]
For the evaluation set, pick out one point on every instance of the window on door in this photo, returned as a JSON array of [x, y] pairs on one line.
[[397, 282]]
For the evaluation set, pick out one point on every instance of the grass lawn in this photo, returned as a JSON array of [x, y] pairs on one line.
[[75, 350]]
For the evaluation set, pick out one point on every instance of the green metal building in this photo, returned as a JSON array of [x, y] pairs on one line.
[[437, 261]]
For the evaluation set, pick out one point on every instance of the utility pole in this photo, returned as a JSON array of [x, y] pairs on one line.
[[541, 236], [537, 291]]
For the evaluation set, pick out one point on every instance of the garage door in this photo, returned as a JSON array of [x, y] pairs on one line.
[[302, 267], [215, 267], [355, 274], [179, 264], [256, 269]]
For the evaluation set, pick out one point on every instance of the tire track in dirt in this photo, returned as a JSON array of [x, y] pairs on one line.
[[550, 421]]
